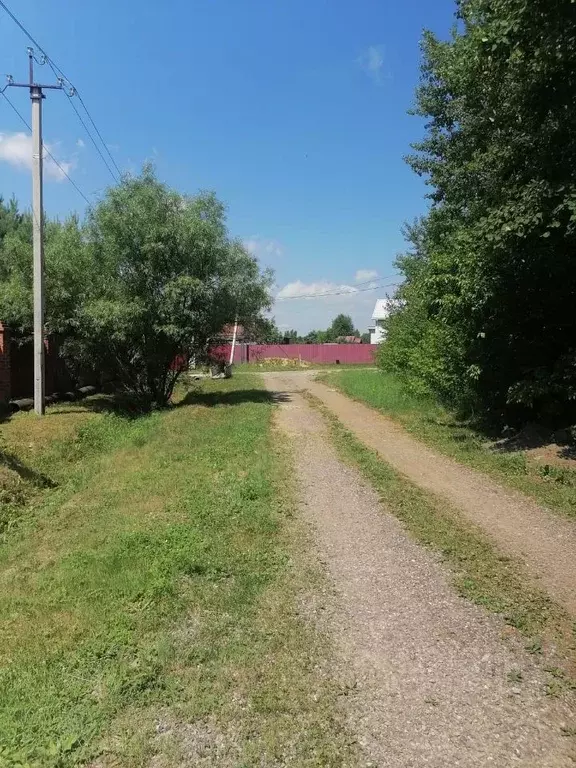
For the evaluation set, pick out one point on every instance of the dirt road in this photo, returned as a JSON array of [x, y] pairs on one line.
[[431, 682], [545, 543]]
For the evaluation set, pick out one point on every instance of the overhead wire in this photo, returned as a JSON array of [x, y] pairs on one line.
[[97, 148], [60, 74], [106, 147], [351, 291], [376, 280], [45, 148]]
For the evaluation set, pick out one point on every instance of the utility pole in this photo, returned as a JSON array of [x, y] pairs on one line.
[[36, 96], [233, 346]]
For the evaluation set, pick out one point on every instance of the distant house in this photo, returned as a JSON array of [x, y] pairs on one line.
[[380, 313], [348, 340]]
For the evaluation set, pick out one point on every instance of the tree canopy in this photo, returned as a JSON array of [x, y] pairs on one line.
[[342, 325], [485, 317], [266, 332], [137, 289]]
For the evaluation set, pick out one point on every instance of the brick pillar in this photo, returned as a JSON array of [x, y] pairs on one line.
[[5, 368]]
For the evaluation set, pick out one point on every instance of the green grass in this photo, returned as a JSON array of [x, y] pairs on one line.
[[555, 487], [58, 451], [479, 571], [155, 587]]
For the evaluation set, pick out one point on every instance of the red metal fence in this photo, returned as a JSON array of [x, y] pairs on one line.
[[321, 354], [17, 368]]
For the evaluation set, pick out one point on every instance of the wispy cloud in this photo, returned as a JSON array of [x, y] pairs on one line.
[[323, 289], [305, 306], [16, 150], [80, 144], [372, 62], [263, 248], [364, 275]]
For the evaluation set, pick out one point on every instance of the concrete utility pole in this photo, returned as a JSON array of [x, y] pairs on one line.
[[38, 224], [36, 97], [234, 335]]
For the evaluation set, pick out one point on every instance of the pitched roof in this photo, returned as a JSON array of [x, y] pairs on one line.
[[382, 309]]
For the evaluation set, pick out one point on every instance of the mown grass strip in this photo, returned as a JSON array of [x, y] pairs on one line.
[[479, 572], [555, 487], [150, 606]]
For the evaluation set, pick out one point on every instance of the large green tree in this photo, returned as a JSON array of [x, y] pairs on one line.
[[167, 278], [486, 316], [342, 325], [67, 270], [143, 285]]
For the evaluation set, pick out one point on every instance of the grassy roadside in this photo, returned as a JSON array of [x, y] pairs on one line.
[[550, 485], [480, 572], [268, 366], [149, 604], [38, 454]]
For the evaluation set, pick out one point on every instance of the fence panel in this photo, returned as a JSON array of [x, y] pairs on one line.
[[320, 354]]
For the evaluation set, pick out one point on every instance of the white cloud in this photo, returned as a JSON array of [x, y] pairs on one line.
[[16, 149], [372, 62], [364, 275], [80, 143], [263, 248], [322, 289], [305, 306], [307, 314]]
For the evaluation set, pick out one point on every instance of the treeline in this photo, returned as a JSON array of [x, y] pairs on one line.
[[486, 317], [341, 327], [149, 278]]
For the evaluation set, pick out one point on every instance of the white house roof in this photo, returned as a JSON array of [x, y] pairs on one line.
[[381, 310]]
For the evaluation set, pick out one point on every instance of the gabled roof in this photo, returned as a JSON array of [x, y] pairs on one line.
[[382, 309]]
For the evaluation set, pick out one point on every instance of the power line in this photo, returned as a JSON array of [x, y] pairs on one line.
[[97, 148], [350, 292], [50, 155], [28, 35], [106, 147], [60, 74], [376, 280]]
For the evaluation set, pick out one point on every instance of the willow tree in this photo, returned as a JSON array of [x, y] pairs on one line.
[[166, 277]]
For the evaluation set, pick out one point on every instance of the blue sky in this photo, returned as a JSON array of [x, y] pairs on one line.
[[293, 111]]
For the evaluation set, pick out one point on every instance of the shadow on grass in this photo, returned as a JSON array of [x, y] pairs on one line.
[[5, 413], [28, 474], [235, 397], [538, 436], [130, 409], [120, 405]]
